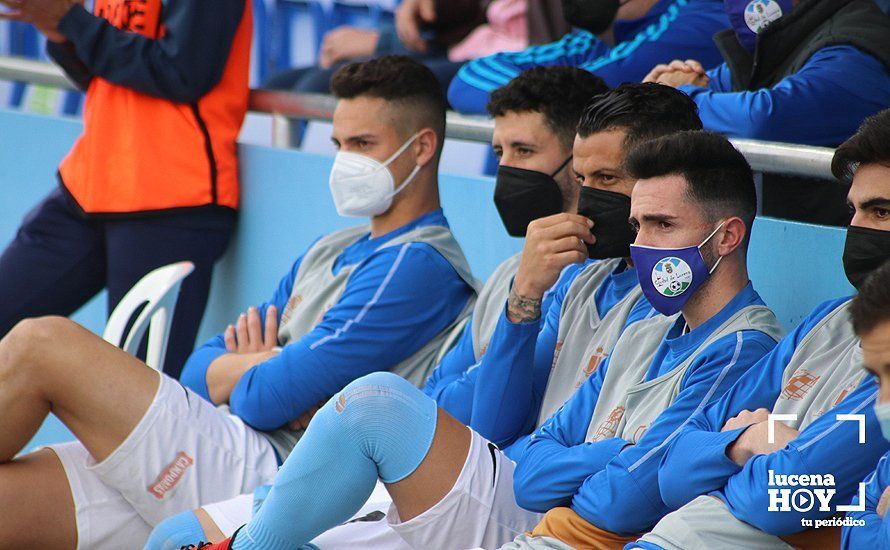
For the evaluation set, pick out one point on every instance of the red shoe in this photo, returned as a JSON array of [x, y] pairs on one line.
[[224, 545]]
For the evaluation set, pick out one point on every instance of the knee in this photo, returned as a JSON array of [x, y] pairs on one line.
[[22, 345], [382, 379], [176, 532], [381, 399], [374, 391]]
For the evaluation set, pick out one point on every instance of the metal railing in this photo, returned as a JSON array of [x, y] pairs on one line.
[[285, 107]]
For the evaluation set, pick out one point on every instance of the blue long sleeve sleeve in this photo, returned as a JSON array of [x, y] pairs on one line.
[[822, 104], [874, 534], [181, 66], [746, 493], [511, 377], [395, 300], [696, 462], [623, 497], [674, 29], [194, 373], [451, 384], [556, 458]]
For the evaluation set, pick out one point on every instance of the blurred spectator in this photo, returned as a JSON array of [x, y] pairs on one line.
[[153, 179], [814, 71], [439, 33], [618, 42]]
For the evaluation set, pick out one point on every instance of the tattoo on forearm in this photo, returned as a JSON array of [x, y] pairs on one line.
[[522, 309]]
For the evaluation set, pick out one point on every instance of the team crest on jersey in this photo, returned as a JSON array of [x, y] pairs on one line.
[[592, 365], [844, 393], [556, 351], [609, 427], [671, 276], [799, 385]]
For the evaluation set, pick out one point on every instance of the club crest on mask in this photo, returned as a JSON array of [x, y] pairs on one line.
[[671, 276], [760, 13]]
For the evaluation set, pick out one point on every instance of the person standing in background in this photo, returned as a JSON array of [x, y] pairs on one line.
[[153, 179]]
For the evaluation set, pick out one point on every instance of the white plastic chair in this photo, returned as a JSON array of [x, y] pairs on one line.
[[158, 291]]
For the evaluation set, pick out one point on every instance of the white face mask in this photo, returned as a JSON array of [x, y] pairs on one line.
[[363, 187], [882, 411]]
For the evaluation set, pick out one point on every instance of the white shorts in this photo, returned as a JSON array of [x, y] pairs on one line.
[[479, 511], [184, 452], [231, 514]]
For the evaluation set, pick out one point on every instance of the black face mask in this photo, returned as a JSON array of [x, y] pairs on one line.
[[864, 251], [595, 16], [522, 196], [609, 212]]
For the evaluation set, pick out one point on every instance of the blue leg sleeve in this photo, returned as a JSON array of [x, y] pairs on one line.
[[379, 426], [175, 532]]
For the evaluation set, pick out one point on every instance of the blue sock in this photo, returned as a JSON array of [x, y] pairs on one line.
[[259, 496], [175, 532], [379, 426]]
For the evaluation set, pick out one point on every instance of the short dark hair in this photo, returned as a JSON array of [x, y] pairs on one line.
[[871, 306], [397, 79], [643, 111], [717, 175], [557, 92], [870, 145]]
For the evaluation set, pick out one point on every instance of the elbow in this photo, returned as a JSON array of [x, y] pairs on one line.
[[466, 98], [673, 490], [246, 407], [526, 499], [528, 496], [184, 87], [194, 373], [761, 122], [621, 520], [253, 417]]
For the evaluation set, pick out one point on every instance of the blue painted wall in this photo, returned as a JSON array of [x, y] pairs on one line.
[[286, 204]]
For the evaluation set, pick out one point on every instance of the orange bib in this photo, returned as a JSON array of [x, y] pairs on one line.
[[140, 153]]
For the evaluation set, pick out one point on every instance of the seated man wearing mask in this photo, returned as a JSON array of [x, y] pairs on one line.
[[869, 312], [800, 71], [693, 204], [377, 297], [619, 41], [870, 150], [540, 352], [718, 470], [535, 118]]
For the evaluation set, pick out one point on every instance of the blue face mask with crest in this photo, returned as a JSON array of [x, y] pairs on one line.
[[749, 17], [670, 276]]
